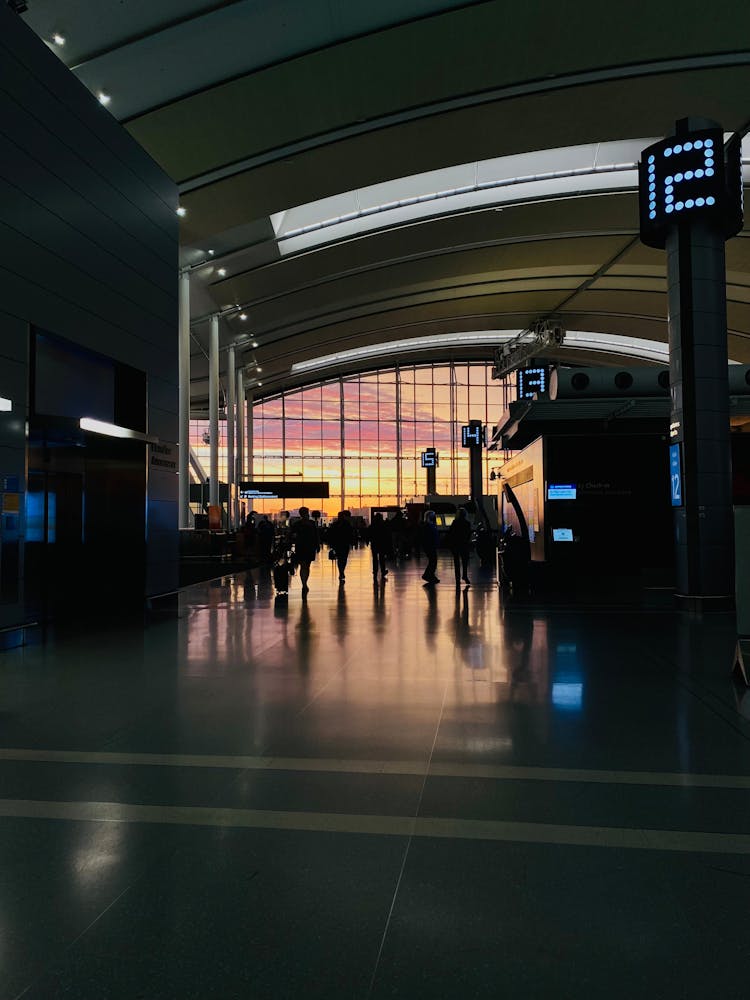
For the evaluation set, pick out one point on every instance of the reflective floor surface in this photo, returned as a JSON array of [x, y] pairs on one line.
[[388, 791]]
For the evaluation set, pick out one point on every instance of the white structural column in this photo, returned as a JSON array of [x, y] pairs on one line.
[[249, 405], [240, 461], [183, 429], [230, 438], [213, 409]]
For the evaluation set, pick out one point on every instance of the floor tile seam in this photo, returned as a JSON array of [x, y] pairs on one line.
[[157, 861], [727, 710], [442, 828], [685, 678], [385, 768], [407, 848]]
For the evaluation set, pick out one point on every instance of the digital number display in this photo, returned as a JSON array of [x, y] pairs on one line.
[[685, 177], [532, 382], [429, 458], [472, 435]]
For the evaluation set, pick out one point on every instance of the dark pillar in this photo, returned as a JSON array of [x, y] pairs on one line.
[[473, 439], [690, 202], [431, 479], [700, 412]]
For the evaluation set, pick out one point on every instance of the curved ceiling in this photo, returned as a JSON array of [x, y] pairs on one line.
[[264, 109]]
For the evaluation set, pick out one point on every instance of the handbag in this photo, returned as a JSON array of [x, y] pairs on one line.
[[332, 554]]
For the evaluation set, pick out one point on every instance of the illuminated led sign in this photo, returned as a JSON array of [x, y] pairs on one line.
[[429, 458], [689, 177], [532, 382], [473, 435]]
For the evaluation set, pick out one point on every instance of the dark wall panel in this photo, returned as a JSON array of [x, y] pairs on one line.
[[13, 386], [88, 253]]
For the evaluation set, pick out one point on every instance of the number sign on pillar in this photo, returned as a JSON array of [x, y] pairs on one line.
[[690, 203], [472, 435], [685, 179]]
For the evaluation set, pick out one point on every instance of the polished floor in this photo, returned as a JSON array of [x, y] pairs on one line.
[[389, 791]]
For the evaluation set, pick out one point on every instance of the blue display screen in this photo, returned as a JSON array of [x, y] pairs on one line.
[[562, 534], [429, 459], [561, 491]]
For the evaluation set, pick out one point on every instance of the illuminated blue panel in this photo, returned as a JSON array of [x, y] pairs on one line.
[[561, 491], [675, 475], [562, 534], [429, 458], [567, 695]]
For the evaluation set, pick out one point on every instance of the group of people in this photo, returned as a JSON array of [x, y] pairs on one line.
[[383, 537]]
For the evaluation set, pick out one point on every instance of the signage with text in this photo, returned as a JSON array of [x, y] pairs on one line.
[[299, 489]]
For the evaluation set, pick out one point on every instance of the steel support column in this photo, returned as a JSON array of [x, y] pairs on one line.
[[249, 425], [183, 431], [230, 439], [213, 410], [240, 460]]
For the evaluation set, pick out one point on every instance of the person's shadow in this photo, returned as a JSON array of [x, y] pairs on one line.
[[305, 637], [340, 615], [431, 618]]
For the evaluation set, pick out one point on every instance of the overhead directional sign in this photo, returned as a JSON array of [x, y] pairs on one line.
[[266, 489], [429, 458]]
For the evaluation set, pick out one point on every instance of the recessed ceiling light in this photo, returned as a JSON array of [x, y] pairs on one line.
[[103, 98], [182, 211], [255, 343], [58, 39], [243, 316], [258, 368], [259, 382], [210, 253], [222, 272]]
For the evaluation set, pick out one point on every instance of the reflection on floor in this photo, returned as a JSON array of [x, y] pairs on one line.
[[388, 791]]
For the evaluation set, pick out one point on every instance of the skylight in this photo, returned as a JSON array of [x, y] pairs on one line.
[[550, 173]]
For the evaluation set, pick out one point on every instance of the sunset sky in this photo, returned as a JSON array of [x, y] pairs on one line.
[[301, 432]]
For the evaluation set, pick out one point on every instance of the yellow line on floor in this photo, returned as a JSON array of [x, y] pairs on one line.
[[439, 769], [399, 826]]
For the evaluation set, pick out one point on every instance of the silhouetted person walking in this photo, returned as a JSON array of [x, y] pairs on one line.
[[306, 544], [428, 539], [341, 539], [380, 544], [265, 532], [458, 540]]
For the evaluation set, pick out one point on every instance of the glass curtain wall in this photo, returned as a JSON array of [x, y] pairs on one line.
[[364, 434]]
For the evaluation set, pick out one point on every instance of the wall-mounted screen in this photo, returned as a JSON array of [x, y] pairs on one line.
[[561, 491], [562, 534]]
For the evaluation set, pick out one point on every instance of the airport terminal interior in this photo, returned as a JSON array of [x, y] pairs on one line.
[[374, 500]]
